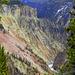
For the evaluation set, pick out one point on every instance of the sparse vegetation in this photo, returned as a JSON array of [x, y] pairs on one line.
[[20, 48], [1, 26], [46, 74], [44, 67], [37, 57], [7, 53], [22, 60], [29, 50], [35, 69], [14, 2], [0, 16], [4, 31]]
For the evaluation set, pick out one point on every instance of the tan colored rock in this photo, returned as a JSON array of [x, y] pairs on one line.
[[29, 37]]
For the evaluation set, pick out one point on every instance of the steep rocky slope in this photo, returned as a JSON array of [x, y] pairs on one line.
[[20, 56], [57, 11], [28, 37], [24, 22]]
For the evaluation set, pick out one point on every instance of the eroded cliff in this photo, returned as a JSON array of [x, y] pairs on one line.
[[28, 37]]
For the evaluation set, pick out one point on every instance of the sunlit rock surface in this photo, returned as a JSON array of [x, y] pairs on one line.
[[28, 37]]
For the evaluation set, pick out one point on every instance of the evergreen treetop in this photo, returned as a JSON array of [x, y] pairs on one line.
[[3, 62]]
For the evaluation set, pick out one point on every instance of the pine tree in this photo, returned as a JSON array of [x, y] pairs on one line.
[[3, 62], [71, 44]]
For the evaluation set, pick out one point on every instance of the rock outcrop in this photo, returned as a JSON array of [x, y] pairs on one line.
[[37, 32], [60, 60], [28, 37], [22, 57]]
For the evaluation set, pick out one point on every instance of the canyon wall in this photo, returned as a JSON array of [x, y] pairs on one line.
[[30, 38]]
